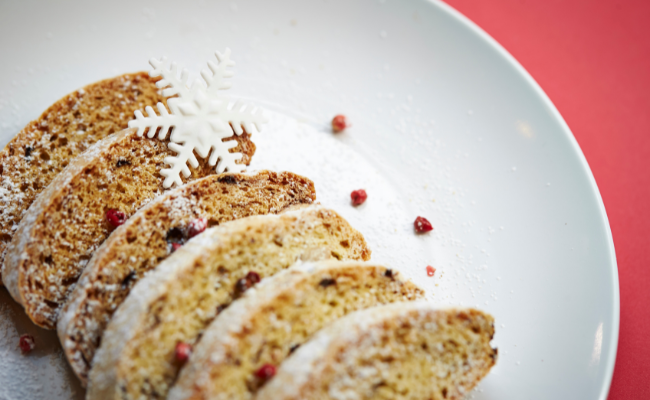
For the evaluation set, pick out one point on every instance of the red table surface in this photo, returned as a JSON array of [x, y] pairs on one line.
[[592, 58]]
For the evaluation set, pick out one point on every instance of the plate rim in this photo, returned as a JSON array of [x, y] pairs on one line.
[[593, 186]]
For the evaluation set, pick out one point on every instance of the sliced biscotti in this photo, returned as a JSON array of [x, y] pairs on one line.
[[152, 234], [67, 222], [180, 298], [398, 351], [277, 316], [31, 160]]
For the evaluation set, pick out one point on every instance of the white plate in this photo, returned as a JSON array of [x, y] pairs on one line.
[[446, 125]]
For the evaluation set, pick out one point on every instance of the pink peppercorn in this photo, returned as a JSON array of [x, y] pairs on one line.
[[182, 352], [430, 270], [266, 371], [115, 217], [26, 343], [339, 123], [422, 225], [197, 226], [358, 197]]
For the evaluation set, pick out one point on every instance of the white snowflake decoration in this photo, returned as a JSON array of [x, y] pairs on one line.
[[200, 118]]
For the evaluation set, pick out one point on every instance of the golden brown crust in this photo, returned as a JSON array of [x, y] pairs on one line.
[[67, 222], [146, 239], [33, 158]]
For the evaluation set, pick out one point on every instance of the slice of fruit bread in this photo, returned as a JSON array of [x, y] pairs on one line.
[[36, 155], [176, 302], [76, 213], [398, 351], [273, 319], [152, 234]]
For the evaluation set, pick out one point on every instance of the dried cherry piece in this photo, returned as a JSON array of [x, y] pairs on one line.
[[115, 217], [182, 352], [241, 286], [247, 282], [266, 371], [26, 343], [358, 197], [197, 226], [252, 277], [422, 225]]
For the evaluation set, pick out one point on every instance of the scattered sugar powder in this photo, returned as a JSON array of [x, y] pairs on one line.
[[336, 170], [401, 184]]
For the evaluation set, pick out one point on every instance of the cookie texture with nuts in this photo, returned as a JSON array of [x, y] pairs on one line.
[[155, 232], [67, 222], [179, 299], [400, 351], [260, 330], [36, 155]]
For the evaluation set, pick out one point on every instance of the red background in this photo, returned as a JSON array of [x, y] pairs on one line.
[[592, 58]]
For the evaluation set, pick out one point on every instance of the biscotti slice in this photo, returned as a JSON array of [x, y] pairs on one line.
[[36, 155], [151, 235], [277, 316], [67, 222], [399, 351], [180, 298]]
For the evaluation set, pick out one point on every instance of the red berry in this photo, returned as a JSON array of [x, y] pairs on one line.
[[197, 226], [358, 197], [26, 343], [115, 217], [430, 270], [252, 278], [182, 352], [339, 123], [422, 225], [176, 246], [266, 371]]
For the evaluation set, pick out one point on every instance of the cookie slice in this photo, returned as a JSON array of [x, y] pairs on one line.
[[180, 298], [68, 221], [272, 320], [36, 155], [399, 351], [152, 234]]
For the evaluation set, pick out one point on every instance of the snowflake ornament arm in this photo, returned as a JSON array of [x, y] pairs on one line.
[[170, 83], [153, 122], [220, 72], [199, 118], [246, 116]]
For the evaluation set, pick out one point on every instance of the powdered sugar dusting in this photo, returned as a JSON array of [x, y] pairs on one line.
[[400, 187], [336, 171]]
